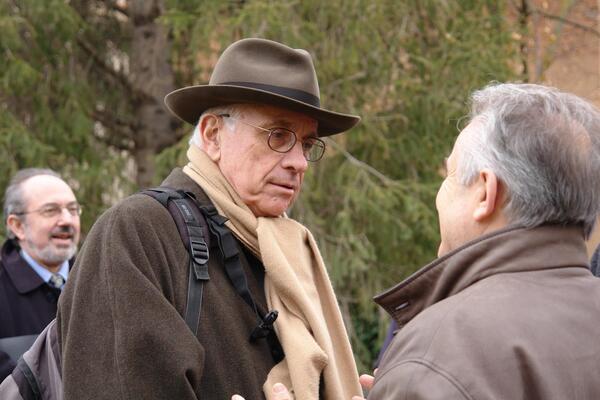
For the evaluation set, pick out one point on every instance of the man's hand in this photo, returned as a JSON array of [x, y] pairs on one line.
[[280, 392], [366, 381]]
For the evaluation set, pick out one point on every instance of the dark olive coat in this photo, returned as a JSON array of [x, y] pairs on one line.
[[512, 315], [120, 317]]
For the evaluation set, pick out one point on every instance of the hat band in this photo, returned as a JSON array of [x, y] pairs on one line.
[[294, 94]]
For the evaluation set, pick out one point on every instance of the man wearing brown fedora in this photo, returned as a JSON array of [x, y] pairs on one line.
[[258, 125]]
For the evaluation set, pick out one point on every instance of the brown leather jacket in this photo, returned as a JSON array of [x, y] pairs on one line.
[[512, 315]]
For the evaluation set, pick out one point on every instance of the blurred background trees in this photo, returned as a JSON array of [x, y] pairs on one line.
[[82, 82]]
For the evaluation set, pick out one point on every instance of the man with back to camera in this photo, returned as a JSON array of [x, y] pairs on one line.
[[259, 124], [510, 308], [41, 215]]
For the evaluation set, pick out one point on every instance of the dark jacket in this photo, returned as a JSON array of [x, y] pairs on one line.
[[27, 303], [120, 317], [512, 315], [595, 262]]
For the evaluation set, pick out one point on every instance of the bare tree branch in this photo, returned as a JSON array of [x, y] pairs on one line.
[[113, 120], [121, 135], [524, 13], [119, 77], [568, 22]]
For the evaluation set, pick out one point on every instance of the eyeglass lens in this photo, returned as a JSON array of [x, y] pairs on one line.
[[54, 210], [282, 140]]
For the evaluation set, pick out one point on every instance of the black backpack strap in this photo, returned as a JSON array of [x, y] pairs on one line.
[[197, 220], [233, 267], [192, 228], [27, 383], [230, 253]]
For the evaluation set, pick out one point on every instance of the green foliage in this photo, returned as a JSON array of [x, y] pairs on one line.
[[406, 67], [47, 101]]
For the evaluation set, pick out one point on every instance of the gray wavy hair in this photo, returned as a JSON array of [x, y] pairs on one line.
[[14, 201], [544, 146]]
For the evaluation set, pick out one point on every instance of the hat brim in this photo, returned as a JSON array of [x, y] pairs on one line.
[[190, 102]]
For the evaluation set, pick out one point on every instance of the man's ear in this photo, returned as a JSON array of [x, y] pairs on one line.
[[15, 225], [488, 195], [209, 131]]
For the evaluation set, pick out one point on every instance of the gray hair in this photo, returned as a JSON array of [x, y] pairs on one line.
[[14, 201], [544, 146], [235, 110]]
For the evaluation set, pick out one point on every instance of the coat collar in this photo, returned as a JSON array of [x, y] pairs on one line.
[[23, 277], [513, 249], [177, 179]]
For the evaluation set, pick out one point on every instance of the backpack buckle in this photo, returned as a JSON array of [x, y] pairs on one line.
[[200, 255], [199, 251], [265, 327]]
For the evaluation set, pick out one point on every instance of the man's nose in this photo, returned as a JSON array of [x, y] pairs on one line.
[[66, 216], [295, 159]]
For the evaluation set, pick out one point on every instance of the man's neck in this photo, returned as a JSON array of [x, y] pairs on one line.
[[52, 268]]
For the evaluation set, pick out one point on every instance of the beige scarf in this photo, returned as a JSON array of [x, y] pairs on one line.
[[309, 325]]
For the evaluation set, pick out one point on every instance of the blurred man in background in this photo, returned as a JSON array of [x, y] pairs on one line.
[[41, 215]]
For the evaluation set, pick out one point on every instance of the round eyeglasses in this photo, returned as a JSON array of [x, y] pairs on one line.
[[282, 140]]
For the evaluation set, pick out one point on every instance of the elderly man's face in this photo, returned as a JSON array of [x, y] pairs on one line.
[[50, 240], [267, 181]]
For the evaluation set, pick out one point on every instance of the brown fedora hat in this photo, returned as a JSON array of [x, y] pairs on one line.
[[264, 72]]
